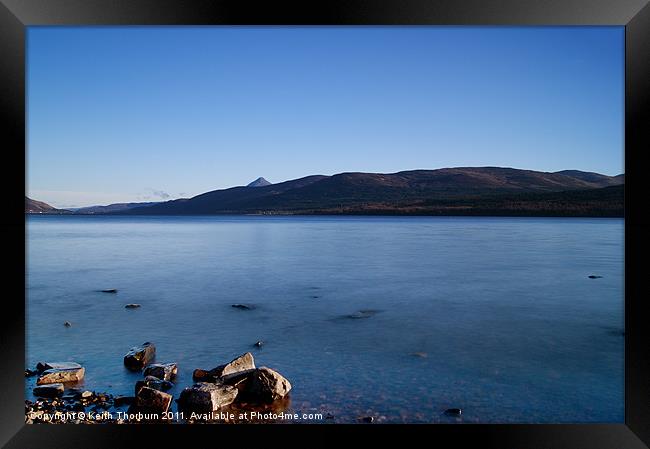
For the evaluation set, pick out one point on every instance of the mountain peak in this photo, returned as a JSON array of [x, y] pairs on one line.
[[259, 182]]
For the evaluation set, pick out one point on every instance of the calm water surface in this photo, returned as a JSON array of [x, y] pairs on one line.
[[509, 327]]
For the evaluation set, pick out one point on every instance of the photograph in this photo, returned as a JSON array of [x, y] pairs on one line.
[[325, 225]]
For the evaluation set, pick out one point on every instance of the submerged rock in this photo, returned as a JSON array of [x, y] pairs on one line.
[[61, 375], [259, 344], [132, 306], [206, 397], [243, 306], [367, 419], [109, 290], [73, 393], [140, 356], [123, 400], [154, 383], [49, 391], [453, 412], [593, 276], [367, 313], [67, 324], [42, 366], [164, 371], [422, 355], [151, 400]]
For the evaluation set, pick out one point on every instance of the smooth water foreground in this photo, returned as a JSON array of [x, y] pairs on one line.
[[495, 316]]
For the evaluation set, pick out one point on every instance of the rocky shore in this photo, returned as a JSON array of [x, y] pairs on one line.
[[233, 392]]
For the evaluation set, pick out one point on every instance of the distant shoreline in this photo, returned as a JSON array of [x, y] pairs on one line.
[[461, 191], [356, 214]]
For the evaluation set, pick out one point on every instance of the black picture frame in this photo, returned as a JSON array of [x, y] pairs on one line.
[[16, 15]]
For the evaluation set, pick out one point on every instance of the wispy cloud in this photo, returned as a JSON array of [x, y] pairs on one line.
[[161, 194], [151, 194]]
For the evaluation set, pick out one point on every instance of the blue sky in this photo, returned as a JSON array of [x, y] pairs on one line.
[[142, 114]]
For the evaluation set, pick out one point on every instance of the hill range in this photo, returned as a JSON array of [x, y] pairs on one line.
[[447, 191], [39, 207]]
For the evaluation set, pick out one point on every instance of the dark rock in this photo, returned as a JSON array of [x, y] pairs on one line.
[[74, 393], [264, 385], [132, 306], [154, 383], [140, 356], [259, 343], [206, 397], [242, 363], [67, 324], [61, 375], [164, 371], [49, 391], [78, 407], [239, 379], [594, 277], [363, 314], [151, 400], [201, 375], [30, 373], [109, 290], [453, 412], [123, 400], [243, 306], [367, 419]]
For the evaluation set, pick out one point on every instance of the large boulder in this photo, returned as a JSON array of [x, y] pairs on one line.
[[259, 385], [266, 385], [152, 401], [204, 397], [140, 356], [61, 375], [164, 371], [49, 391], [153, 382]]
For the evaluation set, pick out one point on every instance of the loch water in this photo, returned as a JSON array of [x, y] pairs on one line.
[[399, 318]]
